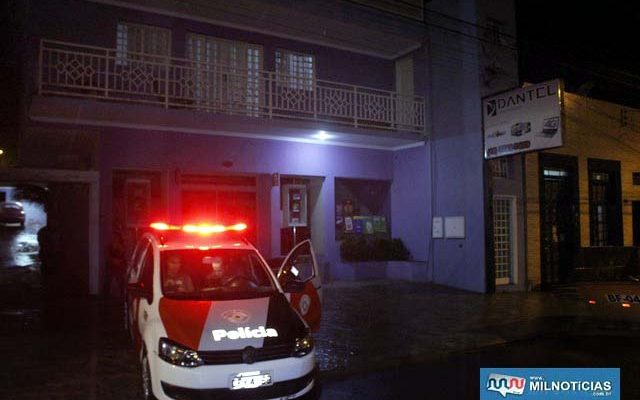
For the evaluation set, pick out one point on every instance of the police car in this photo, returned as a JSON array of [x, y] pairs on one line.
[[209, 319]]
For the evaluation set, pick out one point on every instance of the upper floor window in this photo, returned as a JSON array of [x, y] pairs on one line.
[[134, 41], [226, 73], [500, 168], [229, 53], [295, 70], [494, 30]]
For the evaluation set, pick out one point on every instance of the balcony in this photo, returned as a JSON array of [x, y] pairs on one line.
[[68, 69]]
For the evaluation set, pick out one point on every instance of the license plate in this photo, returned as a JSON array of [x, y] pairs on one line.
[[251, 380]]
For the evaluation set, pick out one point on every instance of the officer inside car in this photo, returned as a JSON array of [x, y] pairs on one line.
[[177, 280]]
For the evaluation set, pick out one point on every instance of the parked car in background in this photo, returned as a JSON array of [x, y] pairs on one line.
[[11, 212]]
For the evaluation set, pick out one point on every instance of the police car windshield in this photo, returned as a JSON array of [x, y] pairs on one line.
[[214, 274]]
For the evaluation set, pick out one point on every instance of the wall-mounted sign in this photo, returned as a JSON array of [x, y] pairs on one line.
[[454, 227], [523, 119]]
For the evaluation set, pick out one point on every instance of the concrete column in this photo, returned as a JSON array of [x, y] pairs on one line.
[[263, 208], [327, 203], [276, 221]]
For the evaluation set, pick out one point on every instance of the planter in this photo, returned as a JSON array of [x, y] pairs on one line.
[[371, 270]]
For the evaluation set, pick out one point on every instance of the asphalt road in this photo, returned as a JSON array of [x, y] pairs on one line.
[[457, 376]]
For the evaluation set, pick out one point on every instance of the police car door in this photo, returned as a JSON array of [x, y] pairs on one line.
[[145, 311], [132, 297], [301, 266], [140, 291]]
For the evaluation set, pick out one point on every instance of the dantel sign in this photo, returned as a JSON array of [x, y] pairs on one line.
[[523, 96], [523, 119]]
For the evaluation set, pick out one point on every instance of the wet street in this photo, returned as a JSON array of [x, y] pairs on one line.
[[422, 340], [456, 376], [378, 339]]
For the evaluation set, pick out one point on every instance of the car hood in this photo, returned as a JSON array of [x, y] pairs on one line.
[[231, 324]]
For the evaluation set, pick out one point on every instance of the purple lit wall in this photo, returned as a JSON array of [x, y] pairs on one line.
[[193, 153], [457, 150], [410, 204]]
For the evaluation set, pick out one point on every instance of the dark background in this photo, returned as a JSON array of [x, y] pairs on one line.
[[593, 46]]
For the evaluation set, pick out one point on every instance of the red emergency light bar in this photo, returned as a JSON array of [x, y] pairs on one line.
[[202, 229]]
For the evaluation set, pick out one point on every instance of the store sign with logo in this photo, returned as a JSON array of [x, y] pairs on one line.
[[523, 119], [550, 383]]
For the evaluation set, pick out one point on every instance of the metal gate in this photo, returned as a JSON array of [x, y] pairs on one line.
[[559, 218]]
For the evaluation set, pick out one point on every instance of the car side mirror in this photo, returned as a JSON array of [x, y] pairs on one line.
[[139, 289], [293, 286]]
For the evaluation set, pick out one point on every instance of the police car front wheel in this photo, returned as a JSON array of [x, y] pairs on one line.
[[147, 392]]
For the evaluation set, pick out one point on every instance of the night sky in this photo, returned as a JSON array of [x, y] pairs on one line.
[[593, 46]]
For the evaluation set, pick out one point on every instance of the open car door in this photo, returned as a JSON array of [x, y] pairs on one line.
[[301, 267]]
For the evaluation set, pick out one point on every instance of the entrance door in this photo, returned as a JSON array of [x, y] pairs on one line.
[[559, 223], [636, 223]]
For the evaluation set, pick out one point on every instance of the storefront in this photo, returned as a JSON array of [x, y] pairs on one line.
[[582, 199]]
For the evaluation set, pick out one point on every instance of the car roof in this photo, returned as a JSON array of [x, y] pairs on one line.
[[180, 240], [12, 204]]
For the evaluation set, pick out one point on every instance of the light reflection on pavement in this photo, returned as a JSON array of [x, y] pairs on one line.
[[18, 247], [20, 280]]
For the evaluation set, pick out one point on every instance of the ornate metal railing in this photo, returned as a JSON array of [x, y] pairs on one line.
[[69, 69]]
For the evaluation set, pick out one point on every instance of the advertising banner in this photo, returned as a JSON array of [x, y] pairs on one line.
[[522, 120]]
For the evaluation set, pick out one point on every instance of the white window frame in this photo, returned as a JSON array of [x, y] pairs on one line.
[[218, 74], [290, 79], [513, 278], [501, 168], [123, 52]]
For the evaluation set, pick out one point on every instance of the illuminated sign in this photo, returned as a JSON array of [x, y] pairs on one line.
[[523, 119], [244, 333]]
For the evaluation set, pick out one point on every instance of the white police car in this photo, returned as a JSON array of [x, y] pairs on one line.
[[209, 319]]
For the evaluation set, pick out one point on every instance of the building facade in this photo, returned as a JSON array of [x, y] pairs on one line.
[[354, 118], [583, 199]]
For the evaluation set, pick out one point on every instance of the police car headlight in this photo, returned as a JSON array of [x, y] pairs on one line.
[[303, 346], [175, 354]]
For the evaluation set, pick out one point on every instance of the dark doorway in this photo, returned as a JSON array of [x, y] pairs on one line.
[[559, 222], [605, 201], [636, 223]]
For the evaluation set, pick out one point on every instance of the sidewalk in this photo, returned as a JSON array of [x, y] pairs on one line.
[[378, 324]]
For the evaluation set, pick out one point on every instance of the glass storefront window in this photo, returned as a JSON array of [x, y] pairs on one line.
[[362, 208]]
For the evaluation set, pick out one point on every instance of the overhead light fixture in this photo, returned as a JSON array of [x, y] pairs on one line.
[[322, 135], [1, 152]]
